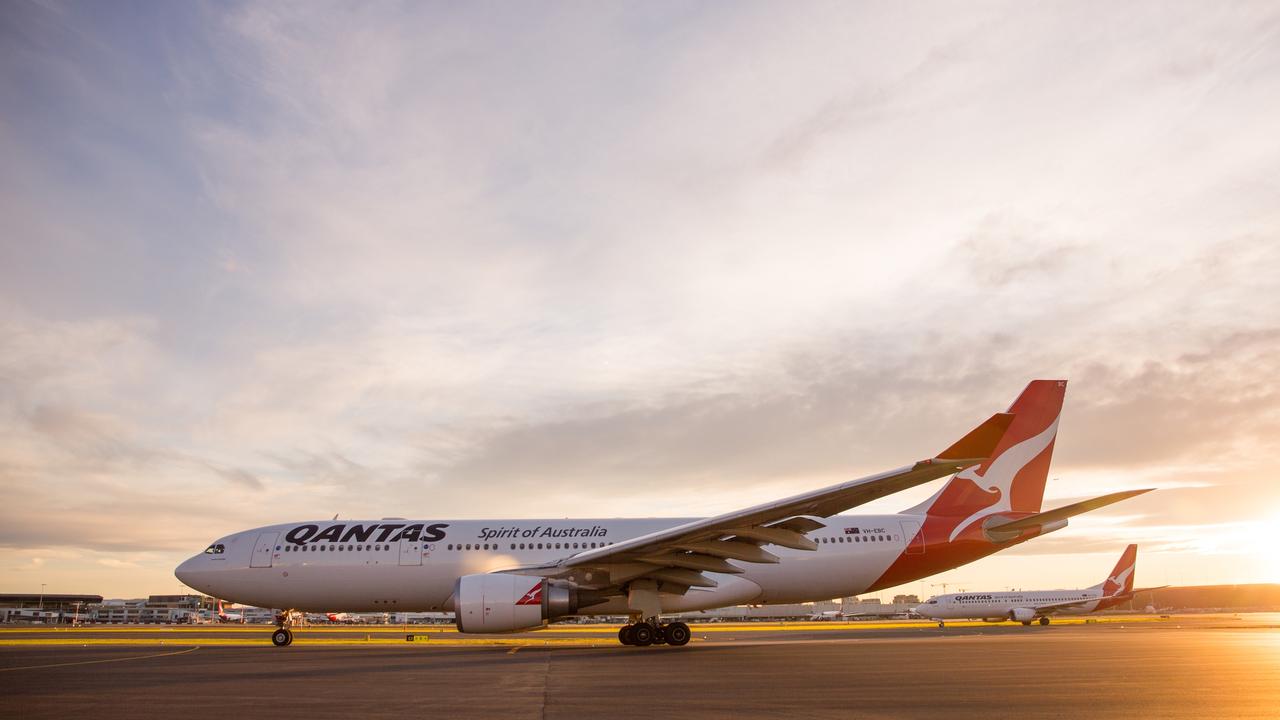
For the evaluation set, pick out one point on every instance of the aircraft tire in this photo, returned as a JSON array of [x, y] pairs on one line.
[[941, 625], [677, 634], [282, 637], [1044, 621], [1026, 622], [642, 634], [625, 635]]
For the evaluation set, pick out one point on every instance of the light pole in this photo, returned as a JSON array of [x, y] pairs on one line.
[[42, 596]]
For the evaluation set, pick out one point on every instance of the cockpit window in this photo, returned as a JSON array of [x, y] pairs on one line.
[[215, 549]]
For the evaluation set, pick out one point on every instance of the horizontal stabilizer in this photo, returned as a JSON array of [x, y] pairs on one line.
[[1131, 593], [1064, 512]]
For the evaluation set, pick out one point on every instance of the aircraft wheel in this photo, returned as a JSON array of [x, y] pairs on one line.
[[1026, 622], [626, 636], [1044, 621], [281, 637], [677, 634], [642, 634], [941, 624]]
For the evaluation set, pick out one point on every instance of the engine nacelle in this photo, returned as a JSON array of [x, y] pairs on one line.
[[497, 602], [1022, 614]]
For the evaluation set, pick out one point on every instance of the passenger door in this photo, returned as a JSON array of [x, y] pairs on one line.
[[914, 537], [263, 551], [410, 552]]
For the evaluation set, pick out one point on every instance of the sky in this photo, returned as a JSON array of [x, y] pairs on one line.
[[267, 262]]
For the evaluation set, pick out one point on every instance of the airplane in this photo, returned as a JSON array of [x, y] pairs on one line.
[[517, 575], [224, 616], [1028, 607]]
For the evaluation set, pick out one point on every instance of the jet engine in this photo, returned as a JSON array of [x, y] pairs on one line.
[[1022, 615], [497, 602]]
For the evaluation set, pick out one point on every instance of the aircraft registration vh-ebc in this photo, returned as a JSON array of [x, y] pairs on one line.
[[514, 575]]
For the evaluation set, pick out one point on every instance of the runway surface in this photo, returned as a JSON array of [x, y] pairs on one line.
[[1183, 667]]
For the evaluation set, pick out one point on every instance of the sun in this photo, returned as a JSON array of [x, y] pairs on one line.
[[1266, 548]]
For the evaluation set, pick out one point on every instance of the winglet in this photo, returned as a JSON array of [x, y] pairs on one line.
[[981, 441], [1064, 512]]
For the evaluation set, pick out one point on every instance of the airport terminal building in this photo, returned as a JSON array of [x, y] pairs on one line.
[[46, 608]]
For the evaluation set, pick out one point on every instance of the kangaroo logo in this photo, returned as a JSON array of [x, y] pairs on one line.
[[533, 597], [1118, 582], [997, 482]]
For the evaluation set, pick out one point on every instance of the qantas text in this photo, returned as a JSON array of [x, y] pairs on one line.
[[375, 532]]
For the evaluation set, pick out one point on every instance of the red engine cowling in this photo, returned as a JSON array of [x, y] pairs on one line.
[[1022, 615], [497, 602]]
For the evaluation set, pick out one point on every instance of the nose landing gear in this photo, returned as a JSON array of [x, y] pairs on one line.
[[283, 636]]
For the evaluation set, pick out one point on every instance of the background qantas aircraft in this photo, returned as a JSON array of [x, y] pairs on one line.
[[1025, 607], [224, 616], [508, 575]]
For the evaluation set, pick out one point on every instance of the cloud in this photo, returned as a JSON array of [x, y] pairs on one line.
[[237, 476], [641, 260]]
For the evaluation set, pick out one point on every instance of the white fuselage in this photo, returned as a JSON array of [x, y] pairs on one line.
[[266, 568], [998, 605]]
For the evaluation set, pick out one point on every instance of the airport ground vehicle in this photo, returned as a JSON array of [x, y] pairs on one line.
[[511, 575]]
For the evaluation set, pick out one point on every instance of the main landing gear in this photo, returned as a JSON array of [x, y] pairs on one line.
[[1044, 620], [653, 633]]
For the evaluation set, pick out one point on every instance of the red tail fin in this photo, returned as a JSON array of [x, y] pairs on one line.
[[1121, 579], [1013, 479]]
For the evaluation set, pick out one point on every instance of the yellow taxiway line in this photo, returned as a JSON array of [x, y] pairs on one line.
[[443, 635], [266, 641]]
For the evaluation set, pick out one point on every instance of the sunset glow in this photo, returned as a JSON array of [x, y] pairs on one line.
[[261, 264]]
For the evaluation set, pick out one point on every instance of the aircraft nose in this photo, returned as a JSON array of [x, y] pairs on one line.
[[189, 572]]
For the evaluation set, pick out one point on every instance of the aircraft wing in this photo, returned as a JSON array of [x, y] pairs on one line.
[[678, 556], [1051, 608], [1054, 607]]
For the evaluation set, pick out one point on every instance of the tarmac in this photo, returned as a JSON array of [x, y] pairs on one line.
[[1202, 666]]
